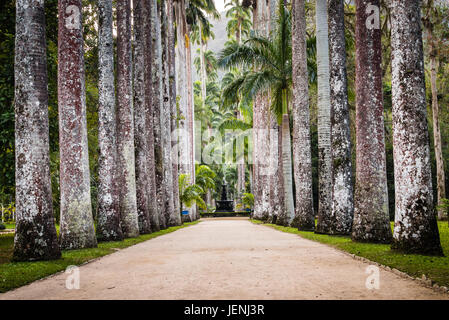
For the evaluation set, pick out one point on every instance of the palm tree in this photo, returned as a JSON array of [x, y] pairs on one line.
[[239, 23], [172, 217], [141, 24], [371, 218], [415, 228], [76, 224], [434, 15], [173, 98], [304, 214], [195, 14], [190, 194], [205, 178], [108, 224], [342, 191], [35, 237], [157, 106], [125, 132], [270, 59], [324, 223], [201, 36], [261, 118], [150, 77]]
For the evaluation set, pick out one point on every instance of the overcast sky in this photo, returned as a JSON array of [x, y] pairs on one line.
[[219, 4]]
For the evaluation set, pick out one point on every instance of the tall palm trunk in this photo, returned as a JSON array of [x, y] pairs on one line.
[[302, 157], [125, 125], [173, 106], [202, 66], [441, 187], [416, 229], [262, 205], [277, 199], [172, 217], [108, 224], [287, 162], [154, 209], [342, 191], [324, 224], [157, 103], [35, 237], [183, 44], [190, 120], [441, 181], [371, 219], [76, 224], [140, 133]]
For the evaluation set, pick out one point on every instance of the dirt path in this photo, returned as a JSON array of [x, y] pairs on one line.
[[225, 259]]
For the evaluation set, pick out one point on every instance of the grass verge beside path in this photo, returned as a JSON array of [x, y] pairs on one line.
[[17, 274], [435, 268]]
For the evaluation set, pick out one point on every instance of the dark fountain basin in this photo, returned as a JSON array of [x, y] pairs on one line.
[[224, 205]]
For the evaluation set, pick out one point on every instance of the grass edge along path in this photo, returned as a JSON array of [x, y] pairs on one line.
[[17, 274], [434, 268]]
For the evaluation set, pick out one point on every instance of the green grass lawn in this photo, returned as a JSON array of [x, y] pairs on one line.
[[16, 274], [435, 268]]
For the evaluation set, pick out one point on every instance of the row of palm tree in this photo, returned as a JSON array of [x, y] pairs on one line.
[[138, 189], [275, 73]]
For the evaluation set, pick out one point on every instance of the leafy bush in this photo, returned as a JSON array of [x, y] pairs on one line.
[[248, 200], [190, 194]]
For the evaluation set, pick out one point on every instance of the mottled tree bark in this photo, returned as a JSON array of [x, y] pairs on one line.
[[287, 168], [108, 221], [153, 208], [141, 25], [302, 157], [324, 223], [76, 224], [342, 191], [173, 107], [371, 219], [262, 205], [35, 237], [125, 125], [190, 122], [278, 214], [415, 229], [172, 217], [157, 103], [181, 86], [441, 187]]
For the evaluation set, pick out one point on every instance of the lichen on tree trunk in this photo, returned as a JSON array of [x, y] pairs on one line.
[[262, 205], [153, 208], [302, 157], [141, 25], [35, 237], [172, 217], [371, 218], [157, 103], [415, 228], [342, 190], [76, 224], [108, 217], [125, 125], [324, 223], [173, 106]]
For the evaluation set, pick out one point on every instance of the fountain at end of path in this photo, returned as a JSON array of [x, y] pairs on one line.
[[224, 205]]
